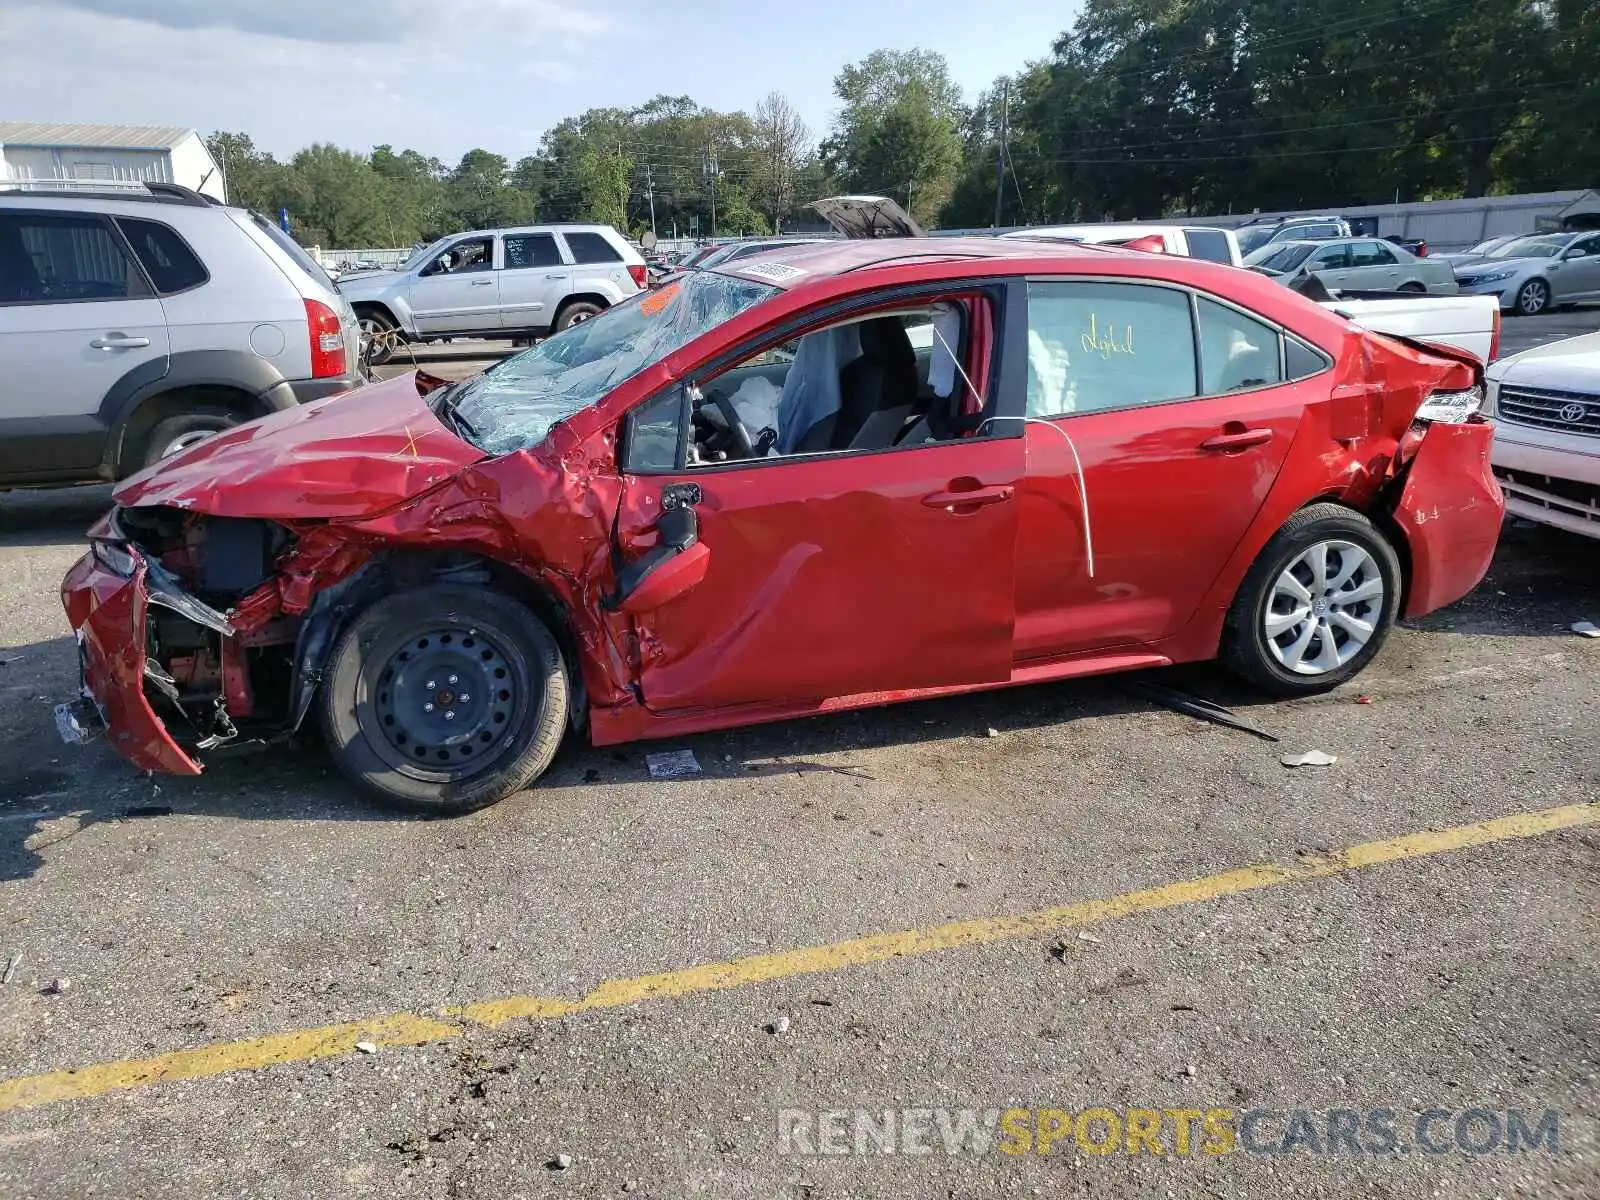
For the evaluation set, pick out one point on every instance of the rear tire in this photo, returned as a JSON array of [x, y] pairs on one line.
[[444, 698], [379, 335], [182, 430], [1533, 298], [578, 310], [1317, 605]]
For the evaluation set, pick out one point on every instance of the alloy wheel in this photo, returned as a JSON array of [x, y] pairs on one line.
[[1324, 607], [1533, 297]]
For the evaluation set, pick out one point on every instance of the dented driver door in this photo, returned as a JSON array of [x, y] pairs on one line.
[[831, 576]]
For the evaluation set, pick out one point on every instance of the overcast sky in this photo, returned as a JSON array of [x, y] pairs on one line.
[[444, 76]]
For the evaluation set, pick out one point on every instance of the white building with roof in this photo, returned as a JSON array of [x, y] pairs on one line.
[[136, 153]]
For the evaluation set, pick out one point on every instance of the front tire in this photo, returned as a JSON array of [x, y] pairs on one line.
[[445, 698], [1316, 606], [1533, 298]]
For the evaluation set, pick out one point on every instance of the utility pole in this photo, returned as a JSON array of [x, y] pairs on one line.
[[709, 165], [1000, 156], [650, 190]]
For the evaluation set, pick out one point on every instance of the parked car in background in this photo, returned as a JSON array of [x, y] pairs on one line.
[[734, 251], [1416, 246], [737, 499], [1482, 250], [1535, 274], [1355, 264], [1545, 404], [137, 319], [502, 283], [1188, 241], [1253, 235]]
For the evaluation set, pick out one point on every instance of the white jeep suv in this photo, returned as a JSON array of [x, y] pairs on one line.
[[495, 283]]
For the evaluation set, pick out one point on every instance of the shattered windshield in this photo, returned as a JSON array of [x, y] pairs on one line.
[[514, 406]]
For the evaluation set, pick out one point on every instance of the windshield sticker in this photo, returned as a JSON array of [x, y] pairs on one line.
[[657, 300], [776, 272]]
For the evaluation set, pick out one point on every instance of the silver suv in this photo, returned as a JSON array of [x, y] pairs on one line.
[[498, 283], [137, 319]]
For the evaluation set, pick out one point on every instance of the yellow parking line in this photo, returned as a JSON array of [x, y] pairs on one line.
[[411, 1029]]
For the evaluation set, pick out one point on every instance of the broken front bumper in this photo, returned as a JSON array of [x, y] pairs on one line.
[[107, 610]]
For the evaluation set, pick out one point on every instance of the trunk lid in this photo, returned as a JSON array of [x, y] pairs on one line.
[[867, 217]]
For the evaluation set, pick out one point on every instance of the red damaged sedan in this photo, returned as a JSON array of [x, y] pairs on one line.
[[822, 478]]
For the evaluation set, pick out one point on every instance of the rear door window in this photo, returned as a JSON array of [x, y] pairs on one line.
[[53, 259], [1331, 258], [1093, 347], [1236, 351], [525, 250], [1371, 254], [166, 257], [591, 248]]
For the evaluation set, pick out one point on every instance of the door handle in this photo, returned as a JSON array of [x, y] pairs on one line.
[[482, 282], [1242, 440], [969, 498], [556, 275], [119, 341]]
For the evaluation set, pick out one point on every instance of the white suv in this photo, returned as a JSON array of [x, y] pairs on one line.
[[137, 319], [497, 283]]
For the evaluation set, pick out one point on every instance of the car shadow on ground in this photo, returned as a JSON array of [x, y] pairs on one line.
[[50, 516]]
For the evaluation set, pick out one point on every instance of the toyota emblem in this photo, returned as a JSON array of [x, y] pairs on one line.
[[1572, 413]]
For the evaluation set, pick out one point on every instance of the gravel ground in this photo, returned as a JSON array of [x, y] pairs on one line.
[[271, 898]]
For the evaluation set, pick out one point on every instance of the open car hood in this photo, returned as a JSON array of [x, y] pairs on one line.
[[351, 455], [867, 217]]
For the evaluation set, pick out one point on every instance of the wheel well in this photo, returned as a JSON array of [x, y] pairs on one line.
[[582, 298], [127, 449], [376, 308], [405, 569]]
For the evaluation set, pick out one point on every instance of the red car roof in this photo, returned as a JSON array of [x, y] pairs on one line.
[[792, 266]]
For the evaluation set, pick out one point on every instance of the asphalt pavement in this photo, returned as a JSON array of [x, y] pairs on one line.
[[791, 974]]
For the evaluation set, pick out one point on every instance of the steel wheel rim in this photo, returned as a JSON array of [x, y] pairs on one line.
[[1324, 608], [184, 440], [445, 701], [1533, 298], [579, 318]]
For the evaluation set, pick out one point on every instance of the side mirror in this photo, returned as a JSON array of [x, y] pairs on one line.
[[678, 562], [1576, 252]]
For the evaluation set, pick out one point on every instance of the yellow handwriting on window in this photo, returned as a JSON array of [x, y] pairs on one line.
[[1104, 342]]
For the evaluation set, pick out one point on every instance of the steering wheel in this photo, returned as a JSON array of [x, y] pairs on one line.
[[741, 435]]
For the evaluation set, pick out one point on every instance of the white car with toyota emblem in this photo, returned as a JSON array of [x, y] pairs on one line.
[[1545, 403]]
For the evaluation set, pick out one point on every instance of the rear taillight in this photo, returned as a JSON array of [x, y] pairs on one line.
[[327, 340], [1494, 337], [640, 273]]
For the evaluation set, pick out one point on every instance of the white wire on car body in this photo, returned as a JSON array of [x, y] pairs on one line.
[[1083, 489]]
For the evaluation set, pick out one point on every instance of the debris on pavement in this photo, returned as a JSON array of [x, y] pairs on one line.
[[781, 1025], [1085, 936], [1194, 706], [11, 967], [672, 764], [1363, 699], [1586, 629], [59, 987], [993, 732], [560, 1162], [367, 1047], [1311, 758]]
